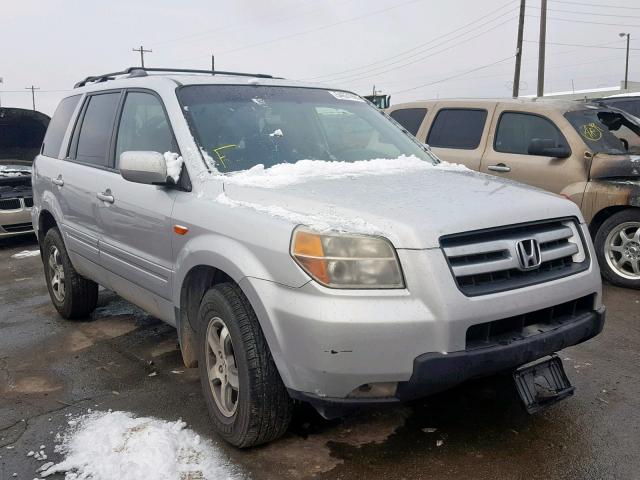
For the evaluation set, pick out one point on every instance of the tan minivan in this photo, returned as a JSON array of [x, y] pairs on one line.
[[588, 153]]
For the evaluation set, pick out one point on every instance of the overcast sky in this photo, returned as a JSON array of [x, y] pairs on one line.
[[407, 48]]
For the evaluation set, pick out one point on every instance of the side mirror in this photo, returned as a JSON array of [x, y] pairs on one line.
[[547, 147], [143, 167]]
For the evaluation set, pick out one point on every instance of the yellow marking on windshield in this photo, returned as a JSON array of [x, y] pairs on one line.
[[220, 155]]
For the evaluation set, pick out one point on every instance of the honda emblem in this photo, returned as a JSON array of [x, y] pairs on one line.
[[528, 252]]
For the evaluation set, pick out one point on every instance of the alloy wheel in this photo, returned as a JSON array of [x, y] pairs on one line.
[[221, 367], [56, 274], [622, 250]]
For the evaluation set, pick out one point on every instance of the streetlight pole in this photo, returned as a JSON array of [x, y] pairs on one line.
[[626, 67]]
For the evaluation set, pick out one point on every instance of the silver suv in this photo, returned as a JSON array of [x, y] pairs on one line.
[[303, 244]]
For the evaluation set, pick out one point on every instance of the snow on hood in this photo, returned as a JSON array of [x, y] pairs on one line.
[[304, 170], [15, 170], [117, 445], [412, 206]]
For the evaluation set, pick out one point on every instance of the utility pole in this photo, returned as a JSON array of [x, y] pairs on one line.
[[142, 52], [516, 74], [33, 94], [626, 67], [213, 63], [541, 46]]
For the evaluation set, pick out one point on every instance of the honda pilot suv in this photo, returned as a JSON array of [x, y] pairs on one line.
[[305, 246]]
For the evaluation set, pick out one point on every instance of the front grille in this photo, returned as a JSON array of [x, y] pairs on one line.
[[507, 330], [10, 204], [486, 261], [28, 202], [18, 227]]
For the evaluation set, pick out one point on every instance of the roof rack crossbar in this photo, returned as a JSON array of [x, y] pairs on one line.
[[138, 72]]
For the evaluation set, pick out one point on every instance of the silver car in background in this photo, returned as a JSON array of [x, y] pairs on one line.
[[303, 244]]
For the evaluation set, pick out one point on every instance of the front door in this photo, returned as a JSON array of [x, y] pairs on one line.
[[507, 155], [136, 218]]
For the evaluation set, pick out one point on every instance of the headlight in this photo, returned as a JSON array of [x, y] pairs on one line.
[[347, 261]]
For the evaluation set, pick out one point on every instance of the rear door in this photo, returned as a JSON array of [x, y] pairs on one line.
[[85, 171], [458, 134], [136, 218], [507, 154]]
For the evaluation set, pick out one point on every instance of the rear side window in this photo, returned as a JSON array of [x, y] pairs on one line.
[[631, 106], [58, 126], [409, 118], [97, 126], [143, 126], [516, 131], [457, 128]]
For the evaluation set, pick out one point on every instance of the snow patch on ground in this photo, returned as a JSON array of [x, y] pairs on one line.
[[322, 223], [26, 254], [117, 445], [305, 170], [174, 165]]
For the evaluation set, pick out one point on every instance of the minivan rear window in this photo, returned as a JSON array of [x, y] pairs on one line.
[[457, 128], [58, 126], [409, 118]]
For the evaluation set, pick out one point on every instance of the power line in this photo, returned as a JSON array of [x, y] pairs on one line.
[[599, 5], [419, 47], [588, 22], [455, 76], [588, 13], [322, 27], [373, 71], [583, 46]]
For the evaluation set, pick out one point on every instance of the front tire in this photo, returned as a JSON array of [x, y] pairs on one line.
[[617, 246], [247, 401], [73, 295]]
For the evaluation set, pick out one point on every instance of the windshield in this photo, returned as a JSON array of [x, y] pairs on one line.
[[243, 126], [606, 131]]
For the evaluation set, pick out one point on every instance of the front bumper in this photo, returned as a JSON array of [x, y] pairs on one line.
[[15, 221], [436, 372]]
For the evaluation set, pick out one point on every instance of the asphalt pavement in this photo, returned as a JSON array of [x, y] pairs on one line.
[[50, 368]]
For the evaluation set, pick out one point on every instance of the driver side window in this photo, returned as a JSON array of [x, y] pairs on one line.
[[143, 126], [516, 131]]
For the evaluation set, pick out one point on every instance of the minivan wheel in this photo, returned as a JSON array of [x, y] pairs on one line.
[[73, 295], [245, 396], [618, 248]]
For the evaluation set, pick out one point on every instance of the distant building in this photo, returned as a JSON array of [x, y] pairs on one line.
[[592, 93]]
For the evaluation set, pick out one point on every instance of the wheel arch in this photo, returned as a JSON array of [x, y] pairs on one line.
[[602, 215]]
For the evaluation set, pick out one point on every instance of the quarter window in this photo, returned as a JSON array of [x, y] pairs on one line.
[[143, 126], [58, 126], [97, 126], [516, 131], [457, 128], [409, 118]]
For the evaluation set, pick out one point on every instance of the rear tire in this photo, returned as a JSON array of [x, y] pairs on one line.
[[246, 399], [617, 245], [73, 295]]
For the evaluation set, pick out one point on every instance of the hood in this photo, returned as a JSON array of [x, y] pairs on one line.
[[21, 135], [412, 208], [615, 166]]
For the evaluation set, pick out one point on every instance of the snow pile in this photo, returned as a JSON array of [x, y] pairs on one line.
[[14, 171], [116, 445], [322, 223], [174, 165], [304, 170], [26, 253]]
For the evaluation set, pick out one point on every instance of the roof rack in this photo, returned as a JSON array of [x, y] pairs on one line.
[[134, 72]]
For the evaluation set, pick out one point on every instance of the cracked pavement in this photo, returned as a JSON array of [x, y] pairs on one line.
[[50, 368]]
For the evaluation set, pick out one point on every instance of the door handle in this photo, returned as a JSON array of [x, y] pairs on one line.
[[58, 181], [501, 167], [105, 196]]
